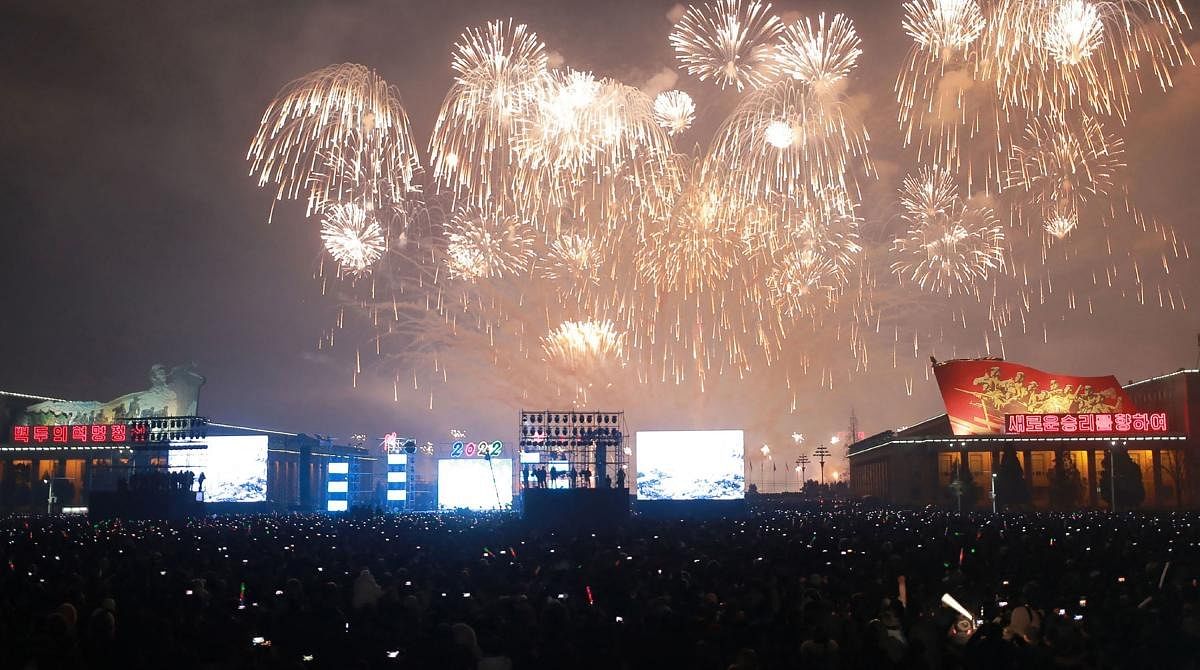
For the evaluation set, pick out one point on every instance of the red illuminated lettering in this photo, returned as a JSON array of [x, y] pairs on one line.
[[1122, 422], [139, 432], [98, 433], [1050, 423], [1068, 424], [20, 434], [1104, 423], [59, 434], [79, 433], [1016, 423], [1158, 422], [1087, 423], [1033, 423], [1141, 422], [119, 432]]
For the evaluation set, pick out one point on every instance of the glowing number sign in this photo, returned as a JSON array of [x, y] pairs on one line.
[[471, 449]]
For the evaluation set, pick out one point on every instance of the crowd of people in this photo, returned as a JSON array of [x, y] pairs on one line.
[[156, 479], [561, 474], [828, 587]]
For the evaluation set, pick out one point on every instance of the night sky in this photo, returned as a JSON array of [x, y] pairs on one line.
[[133, 235]]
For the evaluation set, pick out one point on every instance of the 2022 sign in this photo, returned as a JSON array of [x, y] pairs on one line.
[[472, 450]]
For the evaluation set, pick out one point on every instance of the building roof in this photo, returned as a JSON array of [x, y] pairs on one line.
[[936, 429]]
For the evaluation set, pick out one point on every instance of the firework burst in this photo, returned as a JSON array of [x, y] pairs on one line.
[[353, 237], [573, 260], [1063, 163], [804, 284], [781, 141], [573, 238], [949, 246], [584, 345], [696, 246], [819, 54], [731, 42], [500, 71], [674, 111], [939, 26], [1059, 224], [1052, 56], [487, 245], [340, 110]]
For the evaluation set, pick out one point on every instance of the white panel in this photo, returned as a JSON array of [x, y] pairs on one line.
[[339, 487], [397, 459], [475, 483], [339, 468], [337, 505], [397, 477], [691, 465], [531, 457], [395, 494], [234, 467]]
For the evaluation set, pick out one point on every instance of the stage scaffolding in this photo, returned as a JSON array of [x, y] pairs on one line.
[[580, 441]]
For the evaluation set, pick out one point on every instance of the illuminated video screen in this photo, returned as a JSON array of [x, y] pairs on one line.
[[234, 467], [690, 465], [475, 483]]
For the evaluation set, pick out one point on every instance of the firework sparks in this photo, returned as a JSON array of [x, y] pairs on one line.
[[936, 87], [1073, 31], [949, 246], [343, 109], [566, 200], [728, 41], [819, 54], [674, 111], [781, 141], [500, 70], [573, 260], [584, 344], [352, 237], [1063, 163], [804, 284], [486, 245], [1057, 55], [940, 25], [1061, 223], [695, 247]]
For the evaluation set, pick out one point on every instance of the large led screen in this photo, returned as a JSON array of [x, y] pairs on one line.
[[234, 467], [690, 465], [475, 483]]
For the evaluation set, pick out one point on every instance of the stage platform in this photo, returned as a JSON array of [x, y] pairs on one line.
[[576, 508], [173, 504]]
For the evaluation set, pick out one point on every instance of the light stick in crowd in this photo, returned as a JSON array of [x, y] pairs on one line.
[[949, 601]]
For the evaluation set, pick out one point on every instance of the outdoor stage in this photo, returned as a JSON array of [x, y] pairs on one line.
[[575, 507]]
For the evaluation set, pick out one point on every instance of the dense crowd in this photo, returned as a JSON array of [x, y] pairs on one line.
[[824, 588]]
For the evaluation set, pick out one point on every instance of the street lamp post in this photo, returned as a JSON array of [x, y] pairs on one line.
[[821, 453], [993, 493], [802, 462]]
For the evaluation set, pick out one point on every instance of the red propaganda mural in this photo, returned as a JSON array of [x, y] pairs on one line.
[[978, 394]]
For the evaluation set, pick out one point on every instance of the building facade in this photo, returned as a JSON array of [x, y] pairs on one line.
[[918, 465], [55, 453]]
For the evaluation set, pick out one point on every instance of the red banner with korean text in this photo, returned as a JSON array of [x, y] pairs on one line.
[[978, 393]]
